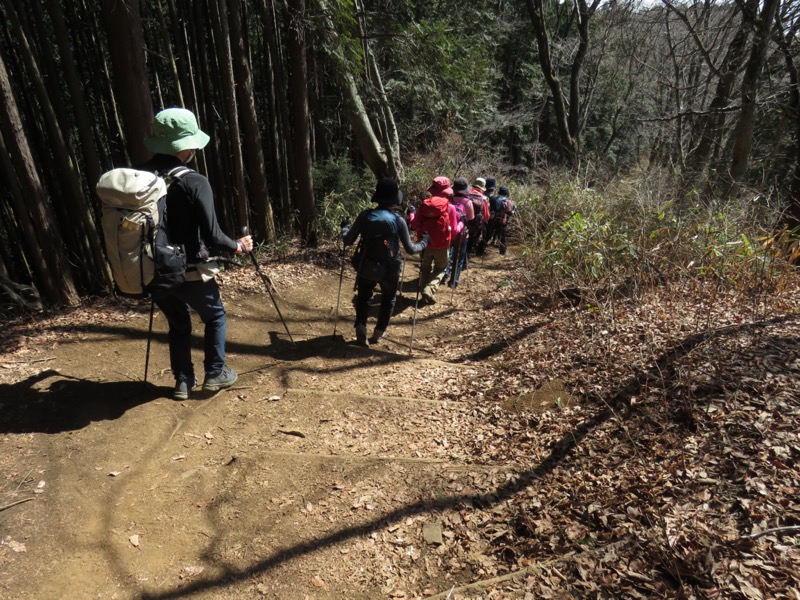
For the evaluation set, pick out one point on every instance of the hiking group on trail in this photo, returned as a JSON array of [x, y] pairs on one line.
[[455, 222], [160, 228]]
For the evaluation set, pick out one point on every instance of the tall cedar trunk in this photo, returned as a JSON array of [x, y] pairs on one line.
[[184, 67], [322, 150], [368, 144], [83, 124], [85, 25], [198, 34], [75, 217], [743, 133], [126, 47], [264, 226], [43, 245], [279, 126], [16, 266], [167, 42], [203, 38], [303, 184], [231, 120], [22, 225]]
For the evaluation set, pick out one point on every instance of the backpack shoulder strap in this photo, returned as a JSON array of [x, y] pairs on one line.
[[177, 173]]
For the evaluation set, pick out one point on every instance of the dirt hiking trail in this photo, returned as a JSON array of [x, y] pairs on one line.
[[327, 471]]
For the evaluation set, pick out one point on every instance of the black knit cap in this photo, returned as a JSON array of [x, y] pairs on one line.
[[387, 193], [460, 186], [491, 183]]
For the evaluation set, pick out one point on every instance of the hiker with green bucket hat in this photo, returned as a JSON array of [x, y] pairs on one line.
[[192, 222]]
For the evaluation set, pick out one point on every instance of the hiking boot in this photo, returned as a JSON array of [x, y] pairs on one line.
[[377, 336], [361, 336], [428, 298], [225, 379], [182, 388]]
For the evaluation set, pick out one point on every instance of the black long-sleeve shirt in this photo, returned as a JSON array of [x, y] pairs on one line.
[[191, 218]]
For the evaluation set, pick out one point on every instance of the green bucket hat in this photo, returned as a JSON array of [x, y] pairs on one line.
[[174, 130]]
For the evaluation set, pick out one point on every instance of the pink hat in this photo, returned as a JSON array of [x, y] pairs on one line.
[[441, 187]]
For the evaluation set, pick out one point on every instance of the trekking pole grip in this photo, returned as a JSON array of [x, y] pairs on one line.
[[245, 231]]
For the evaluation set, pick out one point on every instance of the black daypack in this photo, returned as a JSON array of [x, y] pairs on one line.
[[134, 216], [378, 245]]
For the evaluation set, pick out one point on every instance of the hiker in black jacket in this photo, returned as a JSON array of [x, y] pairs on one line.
[[378, 259], [191, 221]]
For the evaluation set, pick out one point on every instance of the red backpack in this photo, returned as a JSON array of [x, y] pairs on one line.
[[434, 220]]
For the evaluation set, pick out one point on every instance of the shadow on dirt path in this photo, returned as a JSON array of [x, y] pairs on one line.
[[51, 403], [256, 491], [617, 404]]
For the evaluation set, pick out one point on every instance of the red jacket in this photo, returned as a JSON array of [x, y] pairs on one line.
[[439, 239]]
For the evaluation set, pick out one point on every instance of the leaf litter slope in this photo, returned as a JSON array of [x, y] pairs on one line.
[[521, 448]]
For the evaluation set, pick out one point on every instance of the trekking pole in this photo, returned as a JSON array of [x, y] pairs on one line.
[[149, 337], [456, 266], [267, 284], [414, 320], [339, 296], [402, 270]]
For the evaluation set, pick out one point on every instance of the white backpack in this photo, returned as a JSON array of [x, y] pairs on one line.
[[134, 226]]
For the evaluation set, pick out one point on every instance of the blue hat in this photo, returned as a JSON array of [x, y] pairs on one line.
[[491, 184], [503, 190]]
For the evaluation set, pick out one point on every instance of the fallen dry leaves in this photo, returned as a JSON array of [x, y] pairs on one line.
[[675, 474]]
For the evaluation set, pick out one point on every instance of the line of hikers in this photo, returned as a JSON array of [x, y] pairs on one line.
[[455, 222], [160, 231]]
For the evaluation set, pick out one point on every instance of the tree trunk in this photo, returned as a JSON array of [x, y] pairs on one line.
[[709, 130], [231, 121], [83, 123], [126, 47], [368, 144], [75, 217], [303, 183], [392, 136], [569, 144], [44, 247], [784, 39], [264, 228], [743, 134], [278, 110]]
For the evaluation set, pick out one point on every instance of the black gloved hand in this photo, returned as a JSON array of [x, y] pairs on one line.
[[345, 222], [426, 238]]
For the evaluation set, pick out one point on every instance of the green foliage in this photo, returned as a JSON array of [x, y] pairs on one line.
[[340, 193], [575, 237], [589, 248], [441, 81], [278, 249]]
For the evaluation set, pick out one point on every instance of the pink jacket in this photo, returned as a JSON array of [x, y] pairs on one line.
[[466, 206]]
